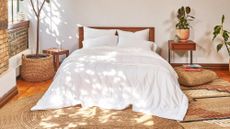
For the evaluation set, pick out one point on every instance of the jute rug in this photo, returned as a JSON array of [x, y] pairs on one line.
[[17, 115], [218, 85], [209, 124], [209, 106], [207, 109]]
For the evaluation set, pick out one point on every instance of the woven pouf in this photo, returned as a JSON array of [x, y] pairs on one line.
[[189, 78], [37, 69]]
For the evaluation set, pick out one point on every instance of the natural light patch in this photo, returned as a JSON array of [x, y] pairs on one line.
[[222, 123], [105, 118], [112, 72], [83, 92], [71, 125], [47, 118], [146, 120], [56, 100], [68, 79], [97, 86], [116, 79], [86, 112], [60, 112], [70, 37], [48, 125], [87, 81], [90, 72]]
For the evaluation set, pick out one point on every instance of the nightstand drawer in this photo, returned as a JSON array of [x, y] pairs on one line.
[[183, 46]]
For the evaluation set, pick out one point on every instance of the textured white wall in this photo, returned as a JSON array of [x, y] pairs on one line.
[[61, 17], [8, 78]]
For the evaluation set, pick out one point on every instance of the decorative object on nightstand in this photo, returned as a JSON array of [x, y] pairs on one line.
[[224, 34], [56, 53], [189, 45], [183, 27]]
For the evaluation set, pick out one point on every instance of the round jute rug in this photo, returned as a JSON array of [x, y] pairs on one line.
[[17, 115]]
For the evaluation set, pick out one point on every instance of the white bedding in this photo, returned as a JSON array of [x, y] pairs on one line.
[[114, 78]]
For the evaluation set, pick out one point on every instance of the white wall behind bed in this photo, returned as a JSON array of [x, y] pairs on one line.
[[61, 17]]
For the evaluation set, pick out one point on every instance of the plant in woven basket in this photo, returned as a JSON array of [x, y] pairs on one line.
[[37, 67], [184, 17]]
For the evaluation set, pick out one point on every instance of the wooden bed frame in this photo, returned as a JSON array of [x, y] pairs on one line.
[[131, 29]]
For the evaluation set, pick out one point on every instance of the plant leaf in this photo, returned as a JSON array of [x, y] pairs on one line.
[[222, 20], [228, 43], [217, 28], [225, 35], [188, 10], [183, 11], [216, 32], [180, 11], [219, 46]]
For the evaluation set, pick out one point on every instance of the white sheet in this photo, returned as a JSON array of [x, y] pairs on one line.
[[114, 78]]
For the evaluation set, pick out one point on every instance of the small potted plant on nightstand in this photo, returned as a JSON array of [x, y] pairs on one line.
[[37, 67], [183, 27], [219, 31]]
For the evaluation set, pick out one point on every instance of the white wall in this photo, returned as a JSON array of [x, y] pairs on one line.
[[59, 25], [8, 78]]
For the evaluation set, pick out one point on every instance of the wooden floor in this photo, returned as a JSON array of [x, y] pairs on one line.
[[26, 89]]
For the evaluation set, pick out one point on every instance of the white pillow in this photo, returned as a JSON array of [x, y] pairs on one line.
[[101, 41], [90, 33], [155, 48], [142, 35], [126, 42]]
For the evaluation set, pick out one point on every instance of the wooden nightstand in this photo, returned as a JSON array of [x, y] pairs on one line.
[[181, 46], [56, 53]]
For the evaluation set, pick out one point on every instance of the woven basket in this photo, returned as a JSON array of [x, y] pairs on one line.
[[37, 69]]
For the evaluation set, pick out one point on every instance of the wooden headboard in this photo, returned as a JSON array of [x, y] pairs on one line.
[[131, 29]]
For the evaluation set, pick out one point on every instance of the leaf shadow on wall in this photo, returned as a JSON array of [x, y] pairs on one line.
[[206, 46], [53, 22]]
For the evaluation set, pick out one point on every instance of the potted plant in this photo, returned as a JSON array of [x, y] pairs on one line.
[[183, 27], [37, 67], [219, 31]]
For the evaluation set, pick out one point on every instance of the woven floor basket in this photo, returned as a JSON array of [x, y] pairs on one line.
[[37, 70]]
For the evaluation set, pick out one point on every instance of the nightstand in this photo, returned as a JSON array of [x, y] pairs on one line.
[[181, 46], [56, 53]]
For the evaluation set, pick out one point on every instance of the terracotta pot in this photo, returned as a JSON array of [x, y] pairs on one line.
[[183, 34]]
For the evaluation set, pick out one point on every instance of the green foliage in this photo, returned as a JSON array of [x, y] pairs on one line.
[[224, 34], [183, 15], [219, 46]]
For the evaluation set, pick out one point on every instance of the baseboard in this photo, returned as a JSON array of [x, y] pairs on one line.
[[9, 95], [212, 66]]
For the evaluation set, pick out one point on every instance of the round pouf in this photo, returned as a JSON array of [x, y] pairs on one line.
[[37, 68], [188, 78]]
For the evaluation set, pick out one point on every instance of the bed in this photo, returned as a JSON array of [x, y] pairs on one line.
[[115, 78]]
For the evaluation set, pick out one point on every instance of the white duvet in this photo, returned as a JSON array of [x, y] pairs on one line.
[[114, 78]]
